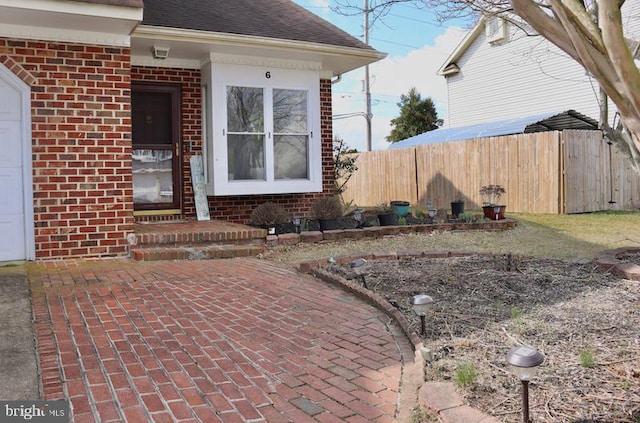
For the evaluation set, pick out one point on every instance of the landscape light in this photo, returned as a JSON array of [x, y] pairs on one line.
[[421, 304], [525, 361], [357, 215], [496, 211], [357, 266], [297, 222]]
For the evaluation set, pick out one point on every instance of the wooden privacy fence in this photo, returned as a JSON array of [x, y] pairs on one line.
[[571, 171]]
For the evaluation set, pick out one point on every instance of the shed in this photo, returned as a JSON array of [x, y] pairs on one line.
[[553, 121]]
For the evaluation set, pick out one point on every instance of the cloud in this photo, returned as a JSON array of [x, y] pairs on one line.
[[323, 5], [390, 78]]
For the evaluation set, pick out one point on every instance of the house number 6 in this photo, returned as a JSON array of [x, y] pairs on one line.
[[267, 75]]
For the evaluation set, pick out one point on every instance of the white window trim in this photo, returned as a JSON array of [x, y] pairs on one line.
[[496, 29], [223, 75]]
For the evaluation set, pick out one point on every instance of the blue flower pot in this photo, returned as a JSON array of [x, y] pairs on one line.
[[401, 208]]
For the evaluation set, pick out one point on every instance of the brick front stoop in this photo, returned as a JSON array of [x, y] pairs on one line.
[[438, 397], [196, 241]]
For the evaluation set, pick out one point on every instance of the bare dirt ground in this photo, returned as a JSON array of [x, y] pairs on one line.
[[586, 323]]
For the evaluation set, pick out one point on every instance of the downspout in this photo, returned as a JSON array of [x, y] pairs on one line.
[[338, 79]]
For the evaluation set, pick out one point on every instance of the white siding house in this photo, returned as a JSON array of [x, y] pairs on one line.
[[501, 73]]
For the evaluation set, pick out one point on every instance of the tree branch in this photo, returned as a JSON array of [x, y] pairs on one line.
[[610, 19]]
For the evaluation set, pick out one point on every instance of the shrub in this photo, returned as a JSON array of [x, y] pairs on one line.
[[269, 214], [491, 194], [327, 208], [384, 208], [344, 165], [466, 217]]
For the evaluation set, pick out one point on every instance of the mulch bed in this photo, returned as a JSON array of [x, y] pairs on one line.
[[585, 321]]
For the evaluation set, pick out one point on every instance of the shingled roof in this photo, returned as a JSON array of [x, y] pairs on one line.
[[279, 19]]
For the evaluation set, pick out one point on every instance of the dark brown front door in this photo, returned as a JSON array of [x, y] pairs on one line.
[[157, 183]]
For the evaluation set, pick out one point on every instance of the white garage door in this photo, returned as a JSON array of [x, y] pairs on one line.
[[13, 228]]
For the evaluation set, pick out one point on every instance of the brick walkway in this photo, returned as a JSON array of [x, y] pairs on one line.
[[237, 340]]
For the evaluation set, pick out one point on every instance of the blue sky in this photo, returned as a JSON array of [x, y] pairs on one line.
[[416, 45]]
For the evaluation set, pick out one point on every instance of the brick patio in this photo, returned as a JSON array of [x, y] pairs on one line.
[[237, 340]]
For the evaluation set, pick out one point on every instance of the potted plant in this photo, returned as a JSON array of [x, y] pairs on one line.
[[327, 210], [272, 217], [401, 208], [386, 215], [457, 207], [491, 195]]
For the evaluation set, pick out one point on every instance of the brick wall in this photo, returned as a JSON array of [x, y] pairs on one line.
[[232, 208], [81, 126]]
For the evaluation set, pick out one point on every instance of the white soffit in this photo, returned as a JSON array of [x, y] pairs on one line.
[[192, 48], [68, 21]]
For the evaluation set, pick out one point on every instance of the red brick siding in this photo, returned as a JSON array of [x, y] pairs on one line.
[[232, 208], [81, 126]]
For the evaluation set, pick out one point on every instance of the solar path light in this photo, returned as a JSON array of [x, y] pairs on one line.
[[421, 304], [358, 268], [432, 214], [357, 215], [297, 222], [525, 361], [496, 211]]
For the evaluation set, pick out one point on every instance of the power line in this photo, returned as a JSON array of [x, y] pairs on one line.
[[393, 42], [415, 20]]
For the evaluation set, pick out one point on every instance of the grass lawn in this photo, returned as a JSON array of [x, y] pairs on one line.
[[576, 236]]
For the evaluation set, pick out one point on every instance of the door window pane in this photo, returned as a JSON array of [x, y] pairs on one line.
[[291, 156], [152, 176], [151, 118], [245, 157]]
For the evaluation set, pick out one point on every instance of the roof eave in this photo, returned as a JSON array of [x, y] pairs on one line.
[[466, 42], [353, 57]]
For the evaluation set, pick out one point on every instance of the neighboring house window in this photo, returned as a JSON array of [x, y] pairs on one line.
[[496, 29], [266, 131]]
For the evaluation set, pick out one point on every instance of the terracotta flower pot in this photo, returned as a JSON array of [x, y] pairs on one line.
[[490, 213]]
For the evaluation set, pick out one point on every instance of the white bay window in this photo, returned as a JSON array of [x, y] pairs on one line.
[[263, 130]]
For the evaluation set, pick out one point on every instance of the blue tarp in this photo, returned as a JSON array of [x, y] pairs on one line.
[[546, 121]]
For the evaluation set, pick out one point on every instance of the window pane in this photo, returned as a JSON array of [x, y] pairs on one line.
[[290, 155], [246, 157], [245, 111], [152, 176], [289, 111], [151, 118]]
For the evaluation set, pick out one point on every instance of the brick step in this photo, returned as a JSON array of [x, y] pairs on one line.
[[200, 237], [193, 240], [200, 252]]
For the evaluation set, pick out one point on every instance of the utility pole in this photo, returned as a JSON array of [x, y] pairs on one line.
[[367, 90]]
